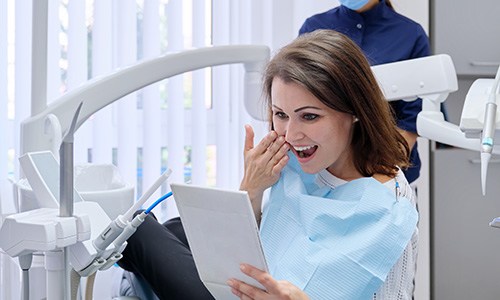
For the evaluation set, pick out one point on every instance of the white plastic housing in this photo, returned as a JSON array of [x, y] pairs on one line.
[[472, 119], [42, 171], [417, 77], [42, 230]]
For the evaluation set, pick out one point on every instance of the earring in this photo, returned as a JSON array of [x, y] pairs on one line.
[[355, 119]]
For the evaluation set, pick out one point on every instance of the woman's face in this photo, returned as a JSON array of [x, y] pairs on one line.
[[319, 136]]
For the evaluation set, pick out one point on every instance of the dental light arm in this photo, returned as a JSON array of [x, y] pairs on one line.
[[430, 78], [102, 91]]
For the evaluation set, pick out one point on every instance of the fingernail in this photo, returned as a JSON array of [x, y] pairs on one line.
[[230, 283], [242, 267]]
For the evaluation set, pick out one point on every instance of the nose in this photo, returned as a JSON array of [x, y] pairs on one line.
[[293, 131]]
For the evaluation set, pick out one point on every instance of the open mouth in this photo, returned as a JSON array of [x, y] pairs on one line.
[[304, 152]]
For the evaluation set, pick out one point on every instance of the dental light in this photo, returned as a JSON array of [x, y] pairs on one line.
[[432, 79]]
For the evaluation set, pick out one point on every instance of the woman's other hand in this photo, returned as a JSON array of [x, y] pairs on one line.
[[274, 289]]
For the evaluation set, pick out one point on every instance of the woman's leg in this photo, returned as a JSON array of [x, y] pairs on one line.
[[161, 256], [175, 227]]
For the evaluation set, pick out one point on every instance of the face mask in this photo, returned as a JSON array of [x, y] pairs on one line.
[[353, 4]]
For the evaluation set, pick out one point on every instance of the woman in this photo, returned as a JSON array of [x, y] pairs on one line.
[[324, 99], [385, 36], [340, 222]]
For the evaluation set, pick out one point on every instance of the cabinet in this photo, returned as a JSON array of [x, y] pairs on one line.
[[469, 31], [465, 250]]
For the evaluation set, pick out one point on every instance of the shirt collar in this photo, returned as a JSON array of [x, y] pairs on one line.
[[378, 12], [326, 178]]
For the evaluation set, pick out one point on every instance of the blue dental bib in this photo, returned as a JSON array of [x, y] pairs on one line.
[[334, 243]]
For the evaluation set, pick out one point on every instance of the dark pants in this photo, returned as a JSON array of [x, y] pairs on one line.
[[160, 254]]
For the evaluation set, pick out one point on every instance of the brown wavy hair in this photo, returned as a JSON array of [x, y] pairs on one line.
[[333, 68]]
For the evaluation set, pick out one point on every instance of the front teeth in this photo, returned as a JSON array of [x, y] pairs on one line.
[[302, 148]]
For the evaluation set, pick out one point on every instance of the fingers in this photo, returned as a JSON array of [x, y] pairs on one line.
[[275, 145], [278, 167], [249, 136], [273, 289], [272, 146], [245, 291], [263, 161], [278, 149], [264, 278], [266, 142]]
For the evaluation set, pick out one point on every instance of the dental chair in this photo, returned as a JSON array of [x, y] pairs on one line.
[[134, 287], [47, 132]]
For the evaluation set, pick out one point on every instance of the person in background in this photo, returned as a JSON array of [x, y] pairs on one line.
[[385, 36], [340, 219]]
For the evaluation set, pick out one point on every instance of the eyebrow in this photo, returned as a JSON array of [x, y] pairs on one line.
[[300, 108]]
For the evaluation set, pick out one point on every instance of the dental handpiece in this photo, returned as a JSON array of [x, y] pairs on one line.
[[489, 128], [115, 228]]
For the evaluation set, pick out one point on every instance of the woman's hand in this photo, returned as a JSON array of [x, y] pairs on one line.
[[263, 163], [274, 289]]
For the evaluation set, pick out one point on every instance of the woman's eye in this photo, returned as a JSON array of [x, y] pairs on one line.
[[280, 114], [310, 117]]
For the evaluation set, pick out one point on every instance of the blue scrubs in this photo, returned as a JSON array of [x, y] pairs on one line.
[[384, 36]]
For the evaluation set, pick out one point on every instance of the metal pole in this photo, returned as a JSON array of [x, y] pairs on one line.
[[66, 192]]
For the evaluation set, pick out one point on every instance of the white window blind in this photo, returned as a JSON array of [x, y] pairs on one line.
[[151, 100], [191, 123], [21, 83], [3, 102], [101, 31], [74, 70], [125, 54]]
